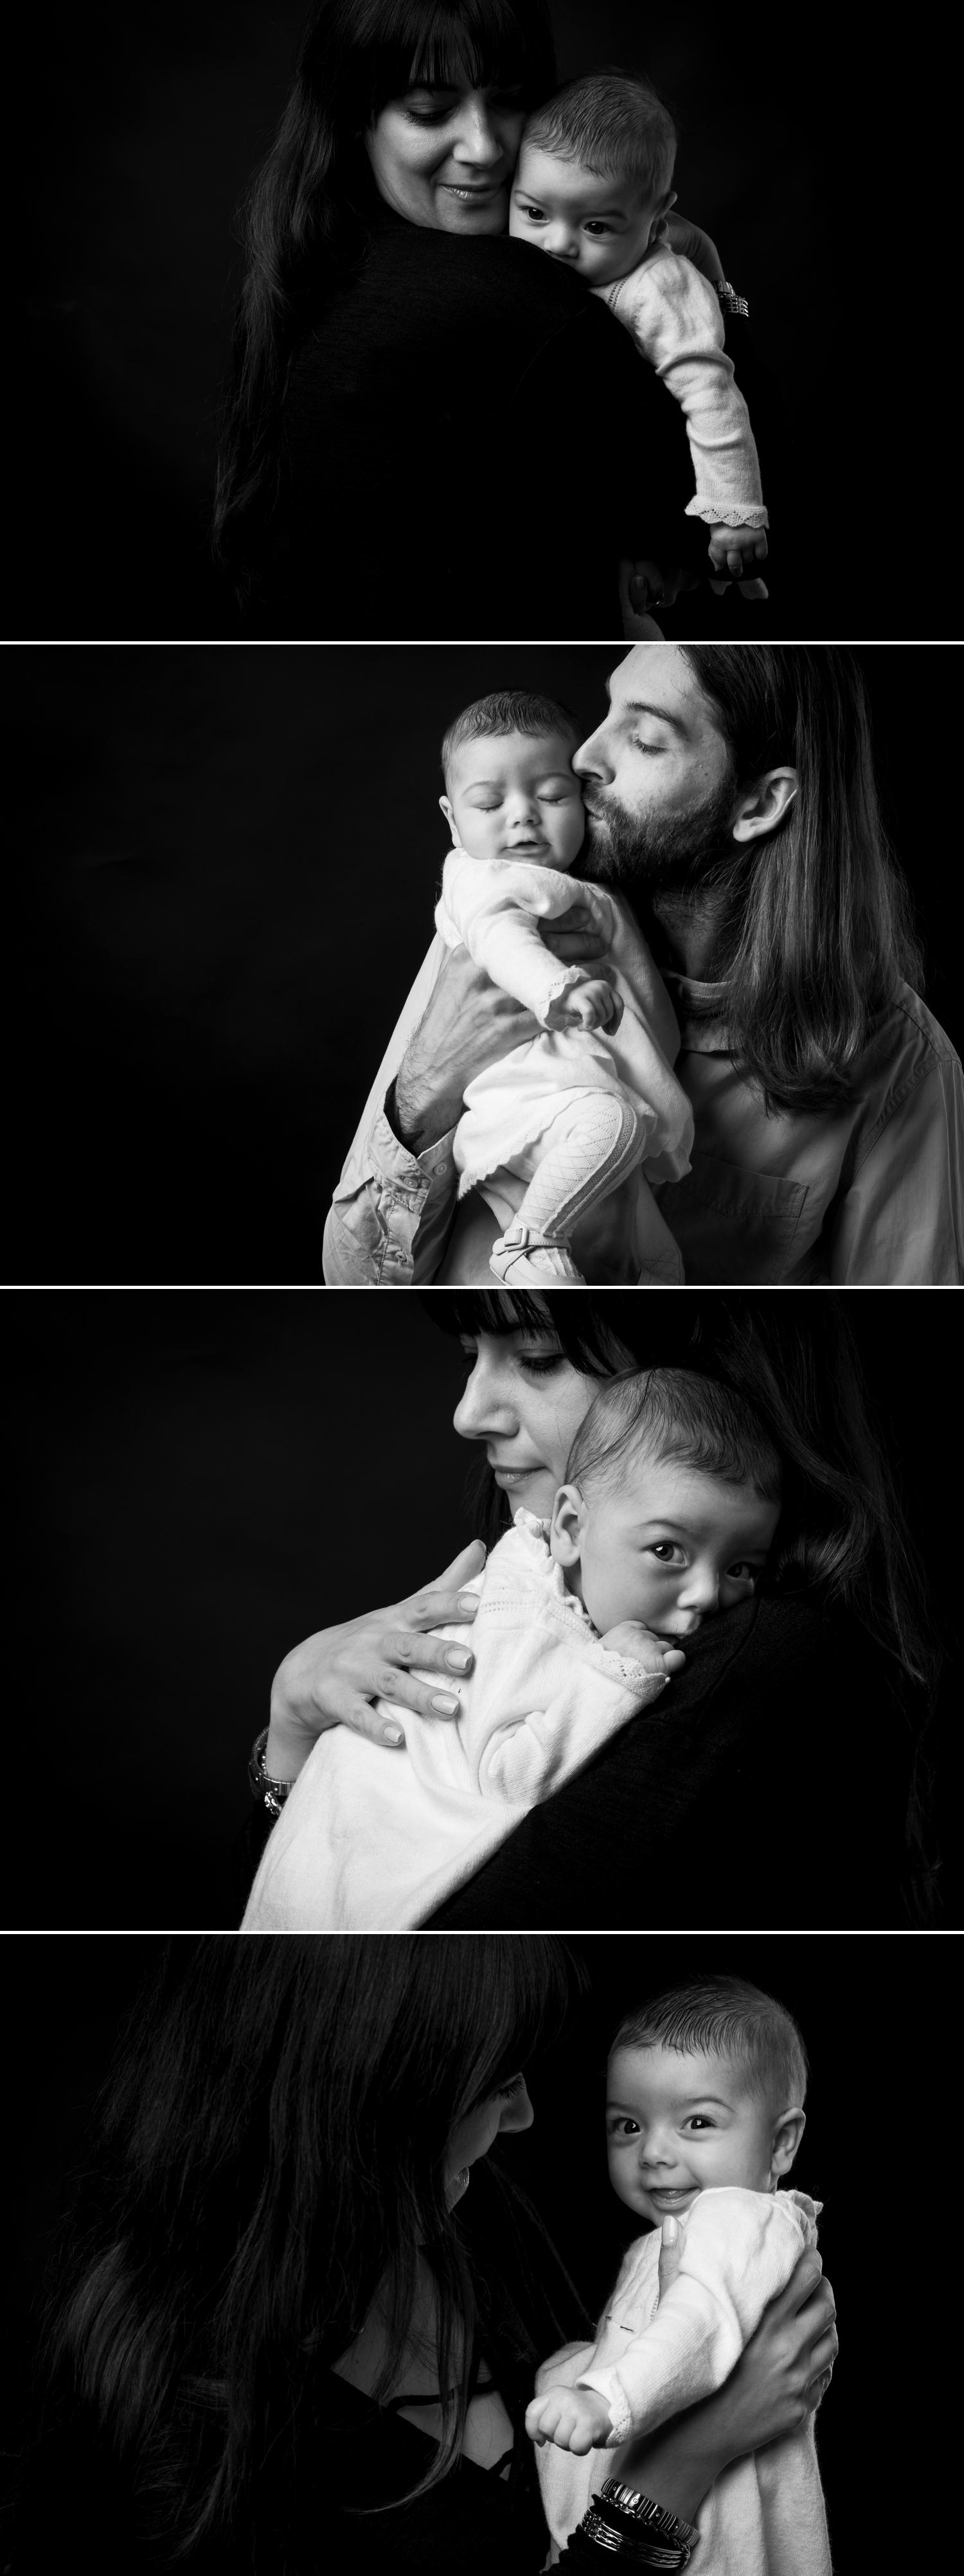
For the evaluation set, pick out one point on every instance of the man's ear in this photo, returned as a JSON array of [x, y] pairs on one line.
[[450, 819], [787, 2132], [565, 1533], [765, 804]]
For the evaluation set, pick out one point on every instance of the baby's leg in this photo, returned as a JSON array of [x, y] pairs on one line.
[[584, 1153]]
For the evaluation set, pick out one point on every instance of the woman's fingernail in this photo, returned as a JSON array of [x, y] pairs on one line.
[[392, 1735], [458, 1661], [443, 1700]]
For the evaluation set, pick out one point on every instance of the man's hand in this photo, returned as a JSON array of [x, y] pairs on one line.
[[469, 1023], [575, 2419], [644, 588], [592, 1005]]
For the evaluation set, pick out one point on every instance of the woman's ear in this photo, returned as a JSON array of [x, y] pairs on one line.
[[565, 1533], [787, 2133], [450, 819], [765, 804]]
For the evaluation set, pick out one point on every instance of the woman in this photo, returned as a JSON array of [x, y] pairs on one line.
[[792, 1729], [298, 2327], [394, 461]]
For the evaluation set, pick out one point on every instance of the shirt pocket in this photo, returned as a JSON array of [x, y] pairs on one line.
[[734, 1228]]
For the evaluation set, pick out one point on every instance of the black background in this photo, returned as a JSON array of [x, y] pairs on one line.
[[227, 868], [202, 1480], [875, 2015], [153, 120]]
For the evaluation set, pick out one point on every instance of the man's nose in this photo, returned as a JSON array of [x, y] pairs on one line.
[[592, 759]]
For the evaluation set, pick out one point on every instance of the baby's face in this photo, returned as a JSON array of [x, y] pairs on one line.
[[516, 796], [596, 225], [679, 2122], [662, 1544]]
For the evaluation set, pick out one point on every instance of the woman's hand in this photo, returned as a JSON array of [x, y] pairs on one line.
[[332, 1679], [778, 2381]]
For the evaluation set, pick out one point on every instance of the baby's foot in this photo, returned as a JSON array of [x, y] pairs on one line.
[[522, 1256]]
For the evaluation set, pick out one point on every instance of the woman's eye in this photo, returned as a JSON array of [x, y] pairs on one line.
[[541, 1363], [506, 2091]]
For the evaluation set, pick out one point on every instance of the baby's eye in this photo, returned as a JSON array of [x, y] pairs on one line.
[[623, 2127], [664, 1550], [742, 1572], [535, 214], [698, 2120], [595, 225]]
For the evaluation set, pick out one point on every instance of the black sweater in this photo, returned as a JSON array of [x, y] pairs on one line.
[[472, 441], [768, 1786]]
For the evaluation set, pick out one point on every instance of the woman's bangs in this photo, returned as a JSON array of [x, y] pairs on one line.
[[532, 1986], [458, 44], [487, 1310]]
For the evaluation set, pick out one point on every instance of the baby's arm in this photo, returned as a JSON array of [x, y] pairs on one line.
[[675, 319], [590, 1693], [738, 2250], [495, 912]]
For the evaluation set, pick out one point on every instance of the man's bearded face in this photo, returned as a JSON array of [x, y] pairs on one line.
[[659, 850]]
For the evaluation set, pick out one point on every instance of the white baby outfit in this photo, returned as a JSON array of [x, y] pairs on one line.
[[597, 1101], [652, 2358], [371, 1839], [674, 317]]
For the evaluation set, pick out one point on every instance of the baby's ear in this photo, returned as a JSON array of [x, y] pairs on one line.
[[787, 2134], [450, 819], [565, 1534]]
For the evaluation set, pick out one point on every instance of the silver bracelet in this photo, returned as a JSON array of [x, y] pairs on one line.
[[730, 300], [632, 2526], [268, 1793]]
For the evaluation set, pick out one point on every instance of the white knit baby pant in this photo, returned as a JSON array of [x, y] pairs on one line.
[[592, 1143]]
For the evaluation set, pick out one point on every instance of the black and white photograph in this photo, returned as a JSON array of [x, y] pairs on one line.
[[729, 1055], [277, 2196], [482, 683], [457, 318]]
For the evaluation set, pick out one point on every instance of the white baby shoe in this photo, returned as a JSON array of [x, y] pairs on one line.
[[522, 1258]]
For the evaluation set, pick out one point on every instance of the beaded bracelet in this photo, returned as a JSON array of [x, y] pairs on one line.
[[628, 2525], [269, 1793]]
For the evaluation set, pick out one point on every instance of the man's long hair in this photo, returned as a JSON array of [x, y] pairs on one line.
[[817, 930], [306, 213]]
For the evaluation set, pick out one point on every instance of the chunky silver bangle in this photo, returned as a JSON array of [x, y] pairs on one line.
[[632, 2526], [269, 1793], [730, 300]]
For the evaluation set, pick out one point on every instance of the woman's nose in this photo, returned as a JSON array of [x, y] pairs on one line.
[[476, 139], [518, 2112], [482, 1407]]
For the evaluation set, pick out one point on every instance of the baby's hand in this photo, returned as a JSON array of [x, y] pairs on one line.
[[592, 1005], [575, 2419], [734, 551], [639, 1646]]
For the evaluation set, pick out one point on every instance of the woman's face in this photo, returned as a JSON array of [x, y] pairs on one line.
[[473, 2136], [444, 158], [526, 1401]]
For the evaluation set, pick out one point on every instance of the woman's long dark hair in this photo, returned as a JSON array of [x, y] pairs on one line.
[[304, 217], [274, 2141], [818, 932], [843, 1534]]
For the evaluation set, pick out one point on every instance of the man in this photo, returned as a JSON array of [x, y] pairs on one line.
[[730, 794]]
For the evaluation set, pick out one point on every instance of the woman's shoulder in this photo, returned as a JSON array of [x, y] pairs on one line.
[[413, 284]]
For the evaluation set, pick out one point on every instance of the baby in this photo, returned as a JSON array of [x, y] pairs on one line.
[[551, 1128], [669, 1509], [704, 2114], [593, 186]]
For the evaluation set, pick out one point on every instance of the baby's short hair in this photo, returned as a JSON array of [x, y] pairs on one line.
[[727, 2017], [615, 126], [507, 711], [675, 1413]]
